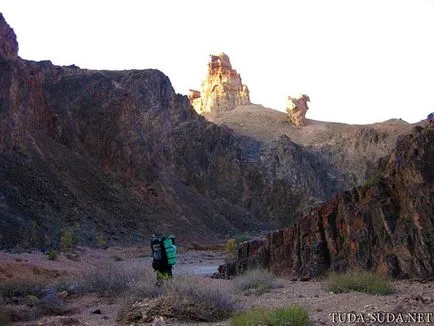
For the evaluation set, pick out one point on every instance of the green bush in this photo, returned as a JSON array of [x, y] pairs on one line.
[[292, 315], [231, 248], [52, 254], [360, 281], [67, 240], [257, 281], [241, 238], [232, 244], [101, 242]]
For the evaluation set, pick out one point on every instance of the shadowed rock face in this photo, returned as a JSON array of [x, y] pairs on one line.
[[221, 91], [8, 43], [387, 227], [119, 155]]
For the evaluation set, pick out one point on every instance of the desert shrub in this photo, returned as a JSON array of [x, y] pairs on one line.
[[241, 238], [107, 280], [101, 242], [292, 315], [360, 281], [231, 247], [374, 179], [20, 289], [67, 240], [112, 280], [34, 235], [50, 303], [146, 286], [256, 280], [52, 254], [194, 298], [232, 244]]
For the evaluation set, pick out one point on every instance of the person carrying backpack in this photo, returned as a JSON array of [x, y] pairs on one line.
[[163, 256]]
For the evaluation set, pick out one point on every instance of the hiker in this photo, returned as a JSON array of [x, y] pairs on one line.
[[163, 256]]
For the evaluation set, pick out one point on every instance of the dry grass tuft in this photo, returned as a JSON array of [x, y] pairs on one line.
[[360, 281], [257, 281]]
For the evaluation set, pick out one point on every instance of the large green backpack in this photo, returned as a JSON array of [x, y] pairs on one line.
[[170, 248]]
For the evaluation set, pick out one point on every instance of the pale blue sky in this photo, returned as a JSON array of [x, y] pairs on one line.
[[359, 61]]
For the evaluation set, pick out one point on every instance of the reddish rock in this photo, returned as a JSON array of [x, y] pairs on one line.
[[8, 40], [386, 227]]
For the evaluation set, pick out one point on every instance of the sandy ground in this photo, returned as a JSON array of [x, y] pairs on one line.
[[90, 310]]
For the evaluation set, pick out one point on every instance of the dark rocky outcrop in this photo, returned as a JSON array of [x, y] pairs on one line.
[[386, 226], [8, 40], [119, 155]]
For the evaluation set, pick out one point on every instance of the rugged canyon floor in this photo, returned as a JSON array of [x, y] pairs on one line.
[[90, 309]]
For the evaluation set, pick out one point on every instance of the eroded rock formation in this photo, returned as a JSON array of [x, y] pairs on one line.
[[386, 226], [296, 108], [8, 40], [221, 91]]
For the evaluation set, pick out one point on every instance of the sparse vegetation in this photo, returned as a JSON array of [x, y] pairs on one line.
[[52, 254], [241, 238], [231, 248], [232, 244], [67, 240], [374, 179], [109, 280], [190, 298], [360, 281], [292, 315], [101, 242], [25, 301], [256, 281], [196, 299]]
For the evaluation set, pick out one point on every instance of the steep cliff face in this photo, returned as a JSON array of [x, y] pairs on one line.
[[387, 226], [221, 91]]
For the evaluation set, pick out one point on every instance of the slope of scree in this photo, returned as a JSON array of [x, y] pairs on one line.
[[387, 226]]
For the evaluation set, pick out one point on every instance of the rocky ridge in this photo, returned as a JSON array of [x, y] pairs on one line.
[[386, 226], [118, 155], [221, 91]]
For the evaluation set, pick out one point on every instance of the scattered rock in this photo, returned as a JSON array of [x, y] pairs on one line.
[[98, 312]]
